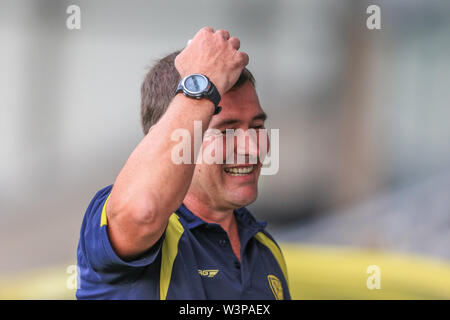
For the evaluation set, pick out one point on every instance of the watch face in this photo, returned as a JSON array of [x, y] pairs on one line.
[[196, 83]]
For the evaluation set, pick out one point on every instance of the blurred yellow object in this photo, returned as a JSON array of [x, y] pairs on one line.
[[315, 272], [49, 283]]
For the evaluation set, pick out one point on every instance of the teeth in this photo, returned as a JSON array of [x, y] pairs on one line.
[[239, 171]]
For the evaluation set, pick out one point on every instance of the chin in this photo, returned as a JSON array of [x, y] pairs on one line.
[[242, 198]]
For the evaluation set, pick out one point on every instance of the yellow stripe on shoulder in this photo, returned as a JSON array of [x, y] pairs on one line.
[[174, 231], [271, 245], [104, 219]]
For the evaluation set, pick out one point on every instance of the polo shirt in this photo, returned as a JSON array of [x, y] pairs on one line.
[[192, 260]]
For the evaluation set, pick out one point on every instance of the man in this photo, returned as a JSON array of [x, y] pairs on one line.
[[181, 231]]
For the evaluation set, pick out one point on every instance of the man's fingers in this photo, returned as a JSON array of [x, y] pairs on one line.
[[216, 54], [235, 42], [244, 58], [224, 33], [206, 30], [203, 30]]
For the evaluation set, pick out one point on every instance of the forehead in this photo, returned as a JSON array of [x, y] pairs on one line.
[[241, 104]]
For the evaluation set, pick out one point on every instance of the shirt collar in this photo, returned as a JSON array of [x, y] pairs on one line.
[[244, 219]]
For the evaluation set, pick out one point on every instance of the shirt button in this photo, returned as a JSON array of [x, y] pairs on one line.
[[223, 242]]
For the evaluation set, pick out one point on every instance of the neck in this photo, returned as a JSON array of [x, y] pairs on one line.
[[209, 213], [214, 214]]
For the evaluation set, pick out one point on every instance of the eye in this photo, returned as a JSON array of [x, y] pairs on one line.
[[225, 131], [259, 127]]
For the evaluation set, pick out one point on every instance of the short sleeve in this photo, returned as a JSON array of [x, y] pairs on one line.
[[96, 247]]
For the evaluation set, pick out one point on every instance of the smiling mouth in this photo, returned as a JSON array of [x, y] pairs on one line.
[[239, 171]]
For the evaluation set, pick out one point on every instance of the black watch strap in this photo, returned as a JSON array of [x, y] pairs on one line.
[[214, 95]]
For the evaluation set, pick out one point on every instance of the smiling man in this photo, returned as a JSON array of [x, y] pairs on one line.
[[168, 230]]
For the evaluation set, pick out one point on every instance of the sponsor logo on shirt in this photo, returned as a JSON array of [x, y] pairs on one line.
[[208, 273]]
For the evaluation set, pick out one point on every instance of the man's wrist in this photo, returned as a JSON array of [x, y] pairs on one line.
[[201, 104]]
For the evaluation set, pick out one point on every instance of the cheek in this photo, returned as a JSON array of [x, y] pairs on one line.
[[207, 174], [200, 179], [214, 150], [263, 144]]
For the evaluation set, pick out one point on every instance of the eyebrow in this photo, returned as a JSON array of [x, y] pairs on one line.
[[227, 122]]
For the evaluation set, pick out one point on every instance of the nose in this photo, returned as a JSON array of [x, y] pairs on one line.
[[246, 145]]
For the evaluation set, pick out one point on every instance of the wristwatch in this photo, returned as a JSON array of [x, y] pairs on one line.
[[199, 86]]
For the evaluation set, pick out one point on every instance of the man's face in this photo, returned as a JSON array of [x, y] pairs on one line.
[[233, 185]]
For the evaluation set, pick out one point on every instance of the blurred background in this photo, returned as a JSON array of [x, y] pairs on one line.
[[364, 120]]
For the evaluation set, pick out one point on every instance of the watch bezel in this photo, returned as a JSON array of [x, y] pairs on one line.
[[195, 93]]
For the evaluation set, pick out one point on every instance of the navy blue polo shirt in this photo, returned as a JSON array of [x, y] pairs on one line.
[[192, 260]]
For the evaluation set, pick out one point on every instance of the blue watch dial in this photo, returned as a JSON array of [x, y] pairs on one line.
[[196, 83]]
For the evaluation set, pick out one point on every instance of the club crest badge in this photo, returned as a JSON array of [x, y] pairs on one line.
[[275, 286]]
